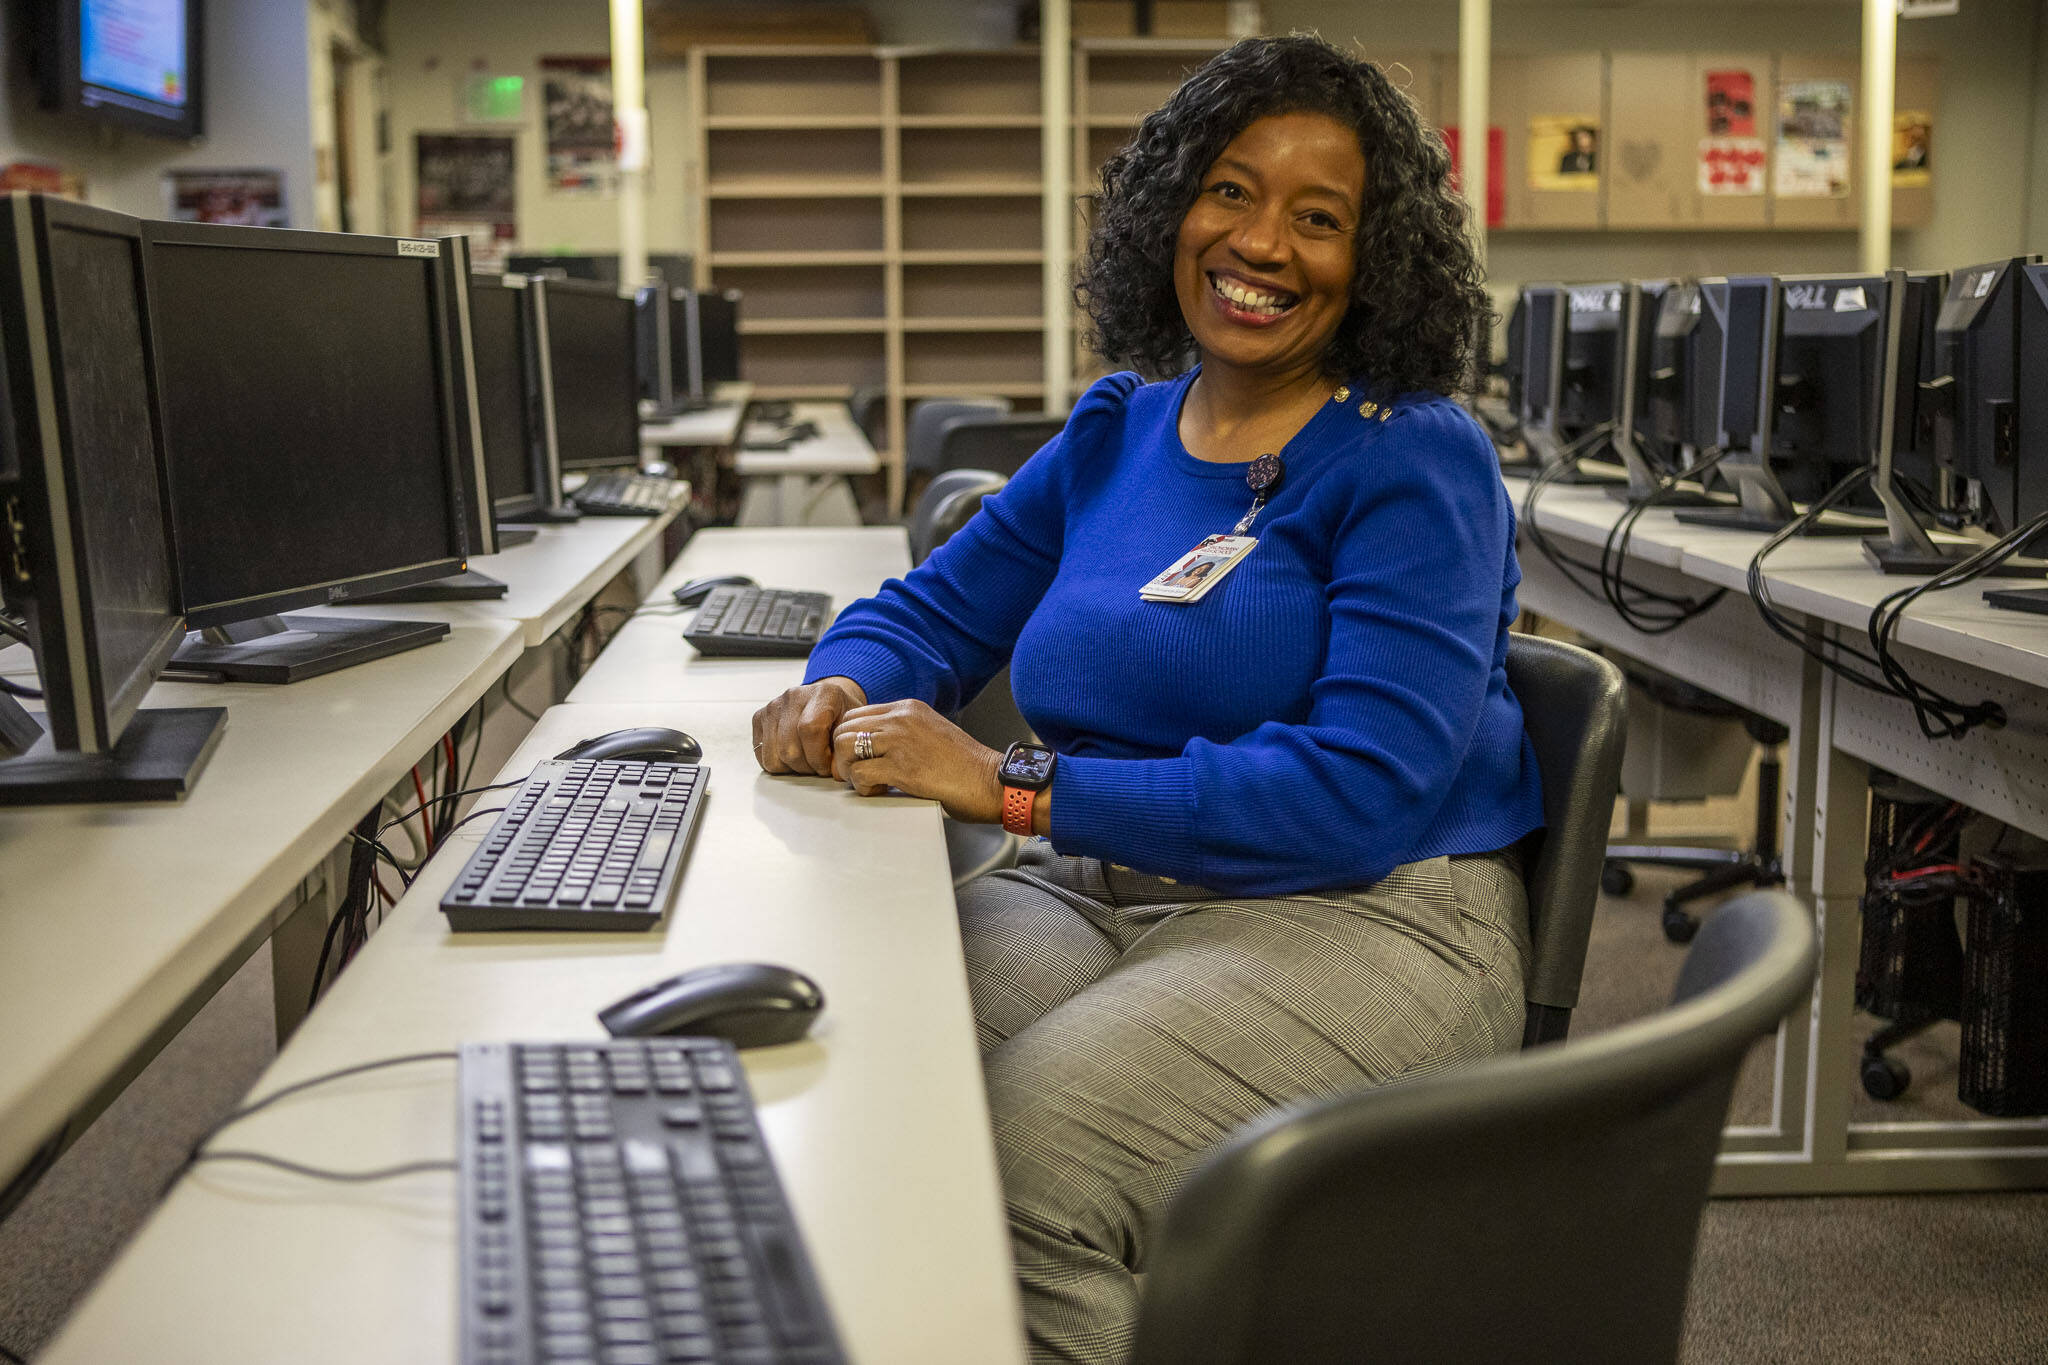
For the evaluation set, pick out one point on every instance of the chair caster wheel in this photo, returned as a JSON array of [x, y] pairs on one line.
[[1884, 1078], [1617, 879], [1679, 927]]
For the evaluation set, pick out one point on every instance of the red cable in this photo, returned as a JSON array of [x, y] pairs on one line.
[[420, 789], [1925, 871]]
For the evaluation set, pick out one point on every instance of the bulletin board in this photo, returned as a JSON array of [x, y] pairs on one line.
[[1553, 110]]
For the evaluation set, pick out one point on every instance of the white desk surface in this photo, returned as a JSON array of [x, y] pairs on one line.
[[877, 1121], [547, 580], [1824, 577], [111, 917], [840, 447], [648, 660], [717, 425]]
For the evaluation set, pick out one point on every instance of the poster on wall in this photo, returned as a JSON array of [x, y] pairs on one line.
[[1731, 104], [1564, 152], [1496, 170], [467, 188], [1732, 165], [250, 198], [576, 100], [1813, 140], [1912, 149], [43, 177]]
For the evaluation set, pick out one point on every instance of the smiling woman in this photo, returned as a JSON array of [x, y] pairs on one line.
[[1257, 612], [1415, 288]]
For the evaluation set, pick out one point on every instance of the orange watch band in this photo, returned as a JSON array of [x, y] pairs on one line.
[[1017, 805]]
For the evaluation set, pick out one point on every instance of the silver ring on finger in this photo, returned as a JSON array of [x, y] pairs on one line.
[[863, 744]]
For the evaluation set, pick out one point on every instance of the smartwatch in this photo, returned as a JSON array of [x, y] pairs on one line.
[[1026, 771]]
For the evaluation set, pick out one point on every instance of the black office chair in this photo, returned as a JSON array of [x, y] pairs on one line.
[[1721, 869], [1575, 708], [1529, 1209], [868, 405], [999, 443], [930, 418], [948, 503]]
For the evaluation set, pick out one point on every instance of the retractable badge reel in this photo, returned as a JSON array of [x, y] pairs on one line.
[[1200, 569]]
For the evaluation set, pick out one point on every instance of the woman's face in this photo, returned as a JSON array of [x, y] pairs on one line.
[[1263, 264]]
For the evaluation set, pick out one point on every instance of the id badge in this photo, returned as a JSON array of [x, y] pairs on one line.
[[1199, 570]]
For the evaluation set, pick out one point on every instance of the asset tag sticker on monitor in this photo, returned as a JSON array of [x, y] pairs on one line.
[[408, 247]]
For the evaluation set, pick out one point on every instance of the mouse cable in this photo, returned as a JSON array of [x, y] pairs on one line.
[[1564, 563], [319, 1173], [9, 627], [1668, 615], [1938, 716], [513, 701], [197, 1153], [15, 689], [1953, 718], [465, 791]]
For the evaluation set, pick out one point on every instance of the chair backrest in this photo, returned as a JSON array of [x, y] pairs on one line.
[[999, 443], [945, 506], [1575, 709], [1533, 1208], [927, 419], [868, 406]]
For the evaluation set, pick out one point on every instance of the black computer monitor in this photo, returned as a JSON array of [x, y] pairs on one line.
[[87, 541], [1543, 328], [718, 331], [1515, 365], [651, 330], [1682, 387], [498, 329], [677, 268], [313, 436], [1976, 414], [1592, 359], [591, 331]]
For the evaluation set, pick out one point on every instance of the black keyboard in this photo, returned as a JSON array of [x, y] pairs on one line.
[[773, 623], [583, 844], [620, 1208], [625, 495]]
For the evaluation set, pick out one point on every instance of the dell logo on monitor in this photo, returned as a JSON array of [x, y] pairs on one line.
[[1596, 300], [1806, 297]]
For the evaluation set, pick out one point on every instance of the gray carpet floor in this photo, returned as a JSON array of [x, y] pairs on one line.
[[1936, 1279]]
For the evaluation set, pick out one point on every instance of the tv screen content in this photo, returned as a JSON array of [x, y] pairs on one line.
[[135, 63], [134, 48]]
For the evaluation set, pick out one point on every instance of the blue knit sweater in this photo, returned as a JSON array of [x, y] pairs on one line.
[[1336, 706]]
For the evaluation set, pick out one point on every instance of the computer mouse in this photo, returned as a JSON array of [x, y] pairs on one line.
[[697, 589], [753, 1004], [649, 743]]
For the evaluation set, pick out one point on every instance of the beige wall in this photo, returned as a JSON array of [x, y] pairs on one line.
[[431, 44], [2037, 208], [1991, 76], [256, 114]]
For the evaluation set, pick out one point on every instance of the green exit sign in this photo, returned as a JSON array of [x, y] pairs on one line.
[[494, 99]]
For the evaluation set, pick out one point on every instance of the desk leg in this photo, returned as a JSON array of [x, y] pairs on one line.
[[295, 943]]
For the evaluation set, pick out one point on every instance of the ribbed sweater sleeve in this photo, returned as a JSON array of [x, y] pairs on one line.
[[1419, 536], [940, 633]]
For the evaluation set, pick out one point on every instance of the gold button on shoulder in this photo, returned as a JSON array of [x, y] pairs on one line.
[[1385, 413], [1343, 394], [1368, 408]]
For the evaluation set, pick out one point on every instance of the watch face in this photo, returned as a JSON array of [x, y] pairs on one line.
[[1028, 765]]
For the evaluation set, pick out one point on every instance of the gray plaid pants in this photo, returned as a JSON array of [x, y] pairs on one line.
[[1127, 1023]]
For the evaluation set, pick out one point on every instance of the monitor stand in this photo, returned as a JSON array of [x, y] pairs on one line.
[[1763, 505], [288, 649], [158, 758], [555, 515], [510, 534], [1644, 483], [467, 586]]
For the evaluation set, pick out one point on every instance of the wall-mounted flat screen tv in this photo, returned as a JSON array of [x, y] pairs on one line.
[[132, 63]]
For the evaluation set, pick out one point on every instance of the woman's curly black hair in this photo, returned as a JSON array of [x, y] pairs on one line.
[[1416, 297]]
